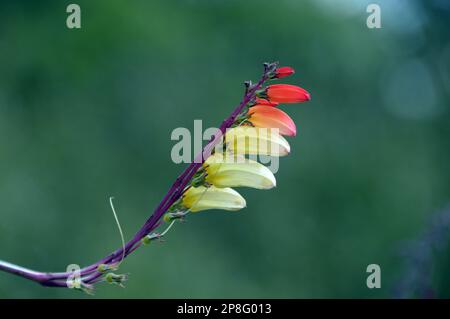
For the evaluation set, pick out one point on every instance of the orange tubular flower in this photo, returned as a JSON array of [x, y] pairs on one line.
[[283, 72], [271, 117], [286, 93]]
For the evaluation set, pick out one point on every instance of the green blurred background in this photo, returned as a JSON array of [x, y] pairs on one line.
[[87, 114]]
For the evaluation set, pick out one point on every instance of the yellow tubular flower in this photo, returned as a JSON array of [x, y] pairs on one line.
[[256, 141], [231, 172], [203, 198]]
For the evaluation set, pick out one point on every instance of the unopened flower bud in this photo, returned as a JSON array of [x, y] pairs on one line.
[[286, 93], [151, 237], [104, 267], [169, 217], [283, 72], [117, 279]]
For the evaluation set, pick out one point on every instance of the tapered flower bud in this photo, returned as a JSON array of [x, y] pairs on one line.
[[151, 237], [105, 267], [118, 279], [169, 217], [283, 72], [271, 117], [286, 93], [247, 140], [240, 172], [202, 198], [260, 101]]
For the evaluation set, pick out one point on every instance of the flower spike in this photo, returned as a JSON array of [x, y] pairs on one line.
[[254, 127]]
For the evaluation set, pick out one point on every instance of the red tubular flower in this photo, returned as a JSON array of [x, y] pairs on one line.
[[272, 117], [265, 102], [286, 93], [283, 72]]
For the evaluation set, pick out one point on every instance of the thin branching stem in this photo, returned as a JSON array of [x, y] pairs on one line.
[[91, 273]]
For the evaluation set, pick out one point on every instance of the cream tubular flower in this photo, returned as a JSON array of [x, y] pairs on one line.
[[202, 198], [248, 140], [221, 172]]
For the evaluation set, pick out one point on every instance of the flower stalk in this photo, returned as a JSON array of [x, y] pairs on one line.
[[98, 271]]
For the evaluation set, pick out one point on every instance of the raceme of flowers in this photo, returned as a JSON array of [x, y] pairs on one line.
[[258, 130], [257, 126]]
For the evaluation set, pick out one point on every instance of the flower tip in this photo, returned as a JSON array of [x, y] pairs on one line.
[[273, 182], [286, 150], [307, 96], [292, 130]]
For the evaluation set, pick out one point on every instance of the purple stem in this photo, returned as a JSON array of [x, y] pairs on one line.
[[90, 273]]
